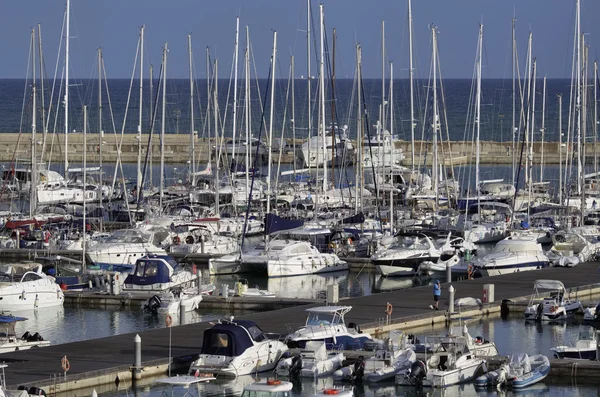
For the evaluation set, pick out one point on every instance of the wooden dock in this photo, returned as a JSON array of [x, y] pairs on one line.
[[99, 361]]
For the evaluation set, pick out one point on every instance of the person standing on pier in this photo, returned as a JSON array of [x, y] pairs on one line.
[[437, 292]]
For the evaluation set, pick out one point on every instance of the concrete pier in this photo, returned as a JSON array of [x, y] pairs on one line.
[[177, 149]]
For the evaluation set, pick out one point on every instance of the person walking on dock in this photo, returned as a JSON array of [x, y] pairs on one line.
[[437, 292]]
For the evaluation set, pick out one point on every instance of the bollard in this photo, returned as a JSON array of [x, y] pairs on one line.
[[451, 299], [117, 285], [448, 272], [137, 366], [94, 393], [597, 345], [202, 244], [182, 312], [18, 235], [225, 291]]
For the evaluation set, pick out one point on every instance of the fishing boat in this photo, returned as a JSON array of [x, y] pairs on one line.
[[232, 348], [326, 323], [584, 347], [555, 307], [23, 286]]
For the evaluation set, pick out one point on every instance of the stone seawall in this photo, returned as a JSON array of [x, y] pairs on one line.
[[177, 149]]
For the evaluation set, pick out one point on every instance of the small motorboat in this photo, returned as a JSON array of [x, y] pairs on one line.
[[170, 302], [584, 348], [268, 388], [10, 342], [326, 323], [312, 361], [592, 314], [556, 307], [389, 360], [158, 273], [519, 372], [234, 348]]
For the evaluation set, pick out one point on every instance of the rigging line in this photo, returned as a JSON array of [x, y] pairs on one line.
[[262, 119]]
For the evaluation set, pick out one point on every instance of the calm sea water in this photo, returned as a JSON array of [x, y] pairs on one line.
[[16, 102]]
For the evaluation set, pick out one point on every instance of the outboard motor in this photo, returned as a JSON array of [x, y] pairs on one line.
[[36, 391], [540, 311], [296, 366], [26, 335], [418, 372], [35, 338], [359, 369], [152, 305]]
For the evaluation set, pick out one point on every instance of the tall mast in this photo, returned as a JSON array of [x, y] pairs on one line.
[[293, 110], [392, 149], [67, 39], [84, 229], [151, 148], [270, 138], [216, 124], [33, 182], [596, 117], [560, 175], [434, 171], [578, 96], [514, 103], [100, 134], [543, 130], [382, 76], [528, 120], [333, 125], [532, 128], [139, 129], [247, 112], [43, 104], [208, 106], [478, 110], [322, 94], [235, 88], [192, 167], [162, 129], [411, 77], [308, 82], [359, 168]]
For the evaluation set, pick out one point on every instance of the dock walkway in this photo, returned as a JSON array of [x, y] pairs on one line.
[[100, 360]]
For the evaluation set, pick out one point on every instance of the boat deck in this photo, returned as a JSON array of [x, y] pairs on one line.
[[107, 356]]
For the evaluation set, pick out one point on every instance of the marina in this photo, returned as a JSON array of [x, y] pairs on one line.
[[306, 226]]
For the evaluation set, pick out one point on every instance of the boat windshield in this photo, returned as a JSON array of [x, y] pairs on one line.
[[128, 236], [587, 333], [322, 319]]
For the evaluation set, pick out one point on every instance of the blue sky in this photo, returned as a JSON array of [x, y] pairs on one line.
[[114, 26]]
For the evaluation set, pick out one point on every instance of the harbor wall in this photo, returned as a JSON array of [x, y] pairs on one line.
[[178, 147]]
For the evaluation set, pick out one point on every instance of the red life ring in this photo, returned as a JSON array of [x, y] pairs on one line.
[[168, 320], [273, 382], [331, 391], [66, 366], [176, 240], [389, 309]]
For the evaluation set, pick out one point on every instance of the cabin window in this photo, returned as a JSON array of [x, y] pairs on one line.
[[219, 344], [151, 269], [141, 267], [31, 277], [319, 319], [256, 333]]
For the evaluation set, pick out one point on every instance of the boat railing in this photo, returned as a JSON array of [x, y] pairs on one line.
[[521, 253]]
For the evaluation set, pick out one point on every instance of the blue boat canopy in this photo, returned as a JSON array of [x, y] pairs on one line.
[[11, 319], [152, 270], [231, 339], [274, 223]]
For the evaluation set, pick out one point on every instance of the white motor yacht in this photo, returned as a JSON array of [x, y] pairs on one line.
[[234, 348], [293, 258], [120, 251], [23, 286], [516, 253], [404, 257], [158, 273]]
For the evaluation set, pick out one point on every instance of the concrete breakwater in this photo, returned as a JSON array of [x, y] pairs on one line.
[[178, 147]]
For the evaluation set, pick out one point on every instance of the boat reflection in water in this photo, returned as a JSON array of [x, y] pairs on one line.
[[383, 284], [308, 286], [469, 390]]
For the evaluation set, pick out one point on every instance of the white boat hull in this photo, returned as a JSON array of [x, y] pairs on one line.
[[325, 264]]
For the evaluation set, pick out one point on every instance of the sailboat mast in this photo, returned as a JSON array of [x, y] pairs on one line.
[[43, 104], [359, 165], [270, 138], [247, 111], [578, 95], [235, 94], [382, 76], [532, 128], [478, 111], [84, 229], [67, 39], [192, 167], [596, 118], [514, 103], [162, 129], [560, 134], [140, 115], [100, 134], [322, 94], [434, 171], [543, 130], [333, 125], [391, 148], [216, 125], [411, 78], [308, 82], [293, 111], [33, 181]]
